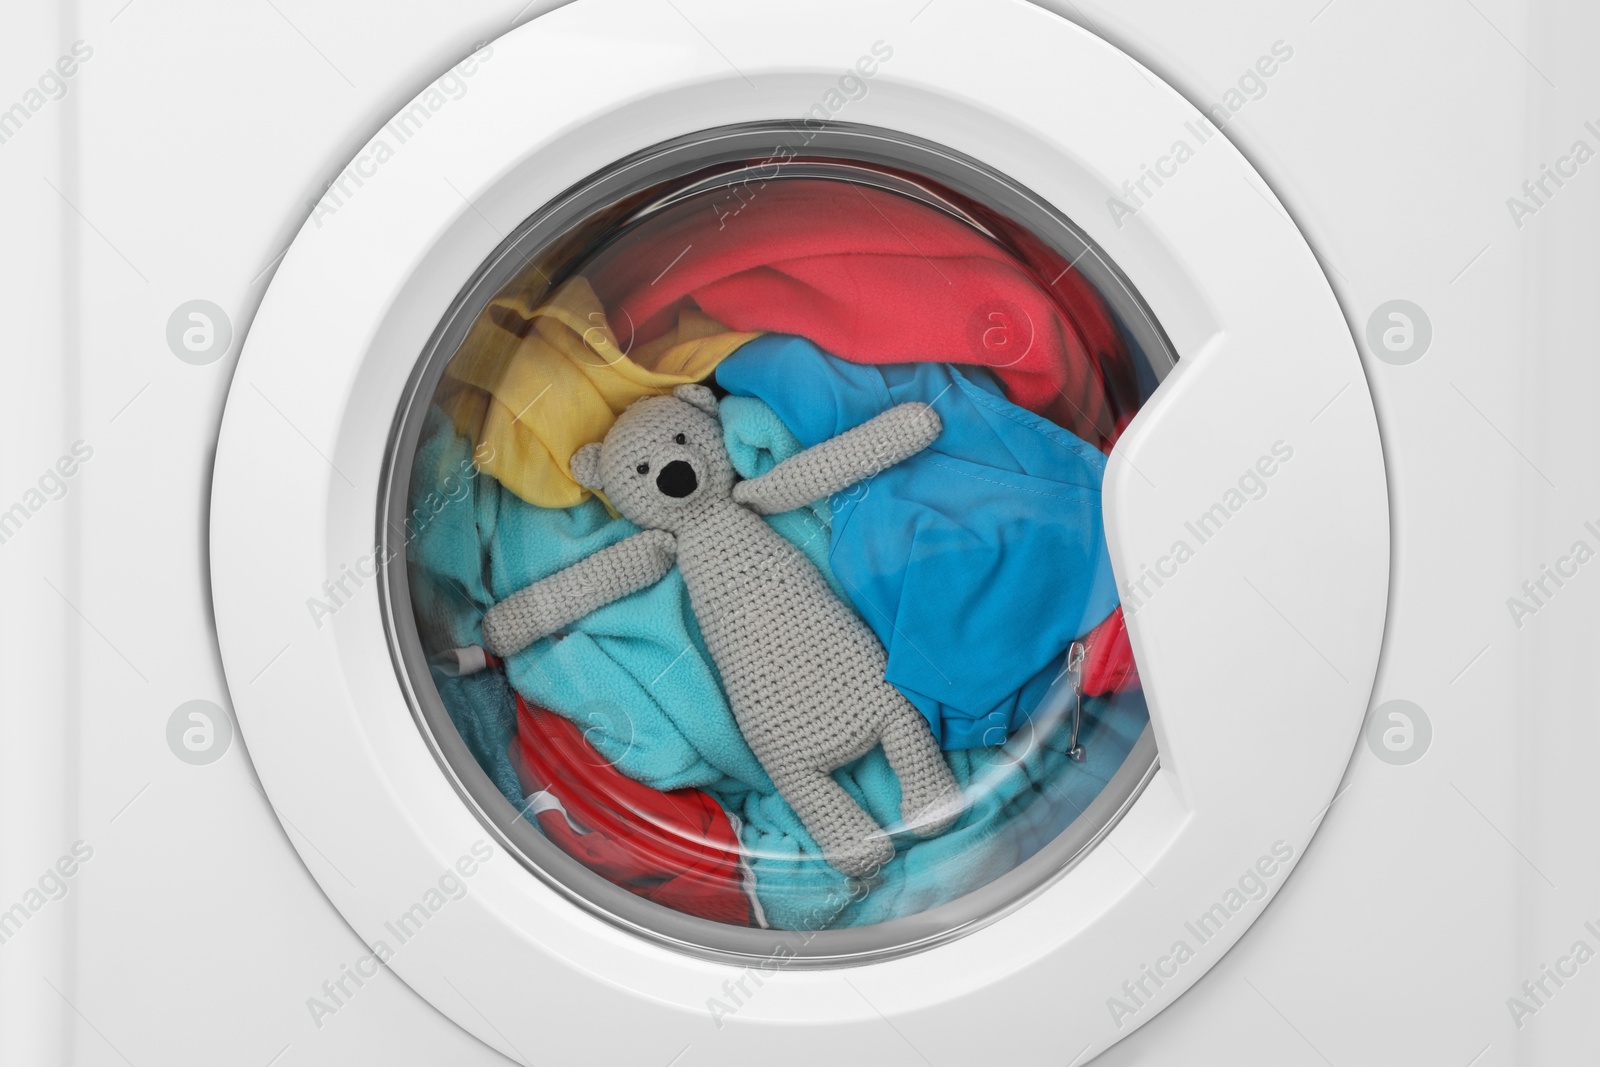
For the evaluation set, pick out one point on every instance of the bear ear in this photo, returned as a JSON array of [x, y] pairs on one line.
[[700, 397], [586, 467]]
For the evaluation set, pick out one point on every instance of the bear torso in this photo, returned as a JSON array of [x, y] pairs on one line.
[[801, 670]]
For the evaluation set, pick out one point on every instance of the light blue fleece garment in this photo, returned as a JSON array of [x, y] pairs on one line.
[[636, 677], [976, 561]]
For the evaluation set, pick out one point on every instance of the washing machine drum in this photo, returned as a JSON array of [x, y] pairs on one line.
[[787, 534]]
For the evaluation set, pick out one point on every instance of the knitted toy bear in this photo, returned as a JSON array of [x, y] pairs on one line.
[[804, 675]]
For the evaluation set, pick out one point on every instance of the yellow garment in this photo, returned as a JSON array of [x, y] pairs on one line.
[[536, 385]]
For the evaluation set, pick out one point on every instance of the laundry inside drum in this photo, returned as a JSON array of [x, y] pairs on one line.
[[754, 581]]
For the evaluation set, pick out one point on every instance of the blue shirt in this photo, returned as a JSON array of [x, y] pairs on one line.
[[976, 561]]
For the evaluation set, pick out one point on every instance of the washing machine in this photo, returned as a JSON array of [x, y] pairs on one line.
[[346, 338]]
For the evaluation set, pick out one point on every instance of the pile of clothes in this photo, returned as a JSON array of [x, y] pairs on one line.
[[978, 562]]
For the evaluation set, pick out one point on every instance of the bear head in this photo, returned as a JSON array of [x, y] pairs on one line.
[[663, 462]]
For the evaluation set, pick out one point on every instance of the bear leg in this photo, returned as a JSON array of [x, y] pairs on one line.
[[851, 842], [930, 799]]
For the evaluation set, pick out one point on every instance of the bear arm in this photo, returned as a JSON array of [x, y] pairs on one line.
[[587, 586], [840, 462]]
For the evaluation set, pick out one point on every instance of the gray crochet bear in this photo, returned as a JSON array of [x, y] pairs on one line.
[[804, 675]]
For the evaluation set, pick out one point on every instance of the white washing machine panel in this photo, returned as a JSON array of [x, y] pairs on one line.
[[1246, 508]]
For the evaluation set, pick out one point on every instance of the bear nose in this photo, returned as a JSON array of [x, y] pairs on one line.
[[677, 479]]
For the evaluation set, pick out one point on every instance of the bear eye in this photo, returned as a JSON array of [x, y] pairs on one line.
[[643, 468], [681, 439]]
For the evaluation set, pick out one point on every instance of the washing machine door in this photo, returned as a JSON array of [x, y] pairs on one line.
[[1245, 508]]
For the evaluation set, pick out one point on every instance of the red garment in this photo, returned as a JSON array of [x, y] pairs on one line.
[[677, 849], [874, 277], [1087, 312], [1108, 665]]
